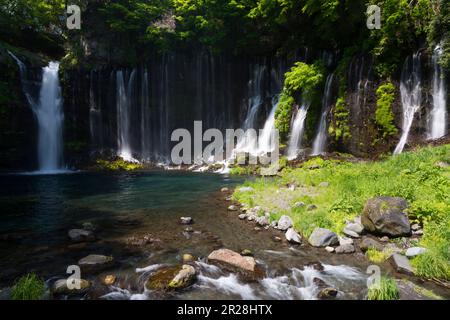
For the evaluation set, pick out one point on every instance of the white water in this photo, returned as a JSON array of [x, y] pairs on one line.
[[298, 127], [411, 93], [145, 119], [319, 145], [265, 141], [438, 120], [50, 117], [123, 116]]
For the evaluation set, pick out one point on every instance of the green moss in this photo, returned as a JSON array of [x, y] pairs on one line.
[[339, 128], [117, 165], [387, 289], [301, 83], [384, 116], [28, 287]]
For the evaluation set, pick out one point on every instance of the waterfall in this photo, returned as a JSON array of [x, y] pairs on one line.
[[319, 144], [123, 116], [145, 118], [95, 113], [49, 115], [254, 104], [298, 127], [265, 143], [438, 120], [411, 94]]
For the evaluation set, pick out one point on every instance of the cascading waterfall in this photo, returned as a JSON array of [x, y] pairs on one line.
[[145, 118], [298, 127], [49, 114], [265, 141], [438, 116], [411, 94], [123, 116], [319, 144]]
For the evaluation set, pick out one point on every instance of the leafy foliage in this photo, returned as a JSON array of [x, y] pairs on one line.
[[339, 127], [384, 117]]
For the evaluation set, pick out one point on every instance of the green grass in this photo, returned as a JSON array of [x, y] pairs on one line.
[[413, 176], [378, 257], [387, 290], [28, 287]]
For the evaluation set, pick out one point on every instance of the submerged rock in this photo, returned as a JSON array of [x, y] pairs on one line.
[[293, 237], [284, 223], [325, 291], [81, 235], [109, 280], [186, 220], [386, 216], [95, 262], [171, 278], [60, 287], [323, 238]]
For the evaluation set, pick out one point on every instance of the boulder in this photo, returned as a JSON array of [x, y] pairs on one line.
[[401, 264], [81, 235], [171, 278], [345, 249], [60, 287], [415, 251], [367, 243], [293, 237], [325, 291], [186, 220], [234, 262], [386, 216], [95, 262], [323, 238], [284, 223]]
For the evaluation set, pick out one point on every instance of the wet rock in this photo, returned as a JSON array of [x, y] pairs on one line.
[[81, 235], [367, 243], [233, 261], [242, 216], [88, 226], [325, 291], [293, 237], [262, 221], [284, 223], [109, 280], [186, 220], [95, 262], [246, 253], [233, 208], [277, 239], [329, 249], [311, 207], [171, 278], [323, 238], [188, 258], [386, 216], [316, 266], [415, 251], [225, 189], [61, 287], [345, 249], [189, 230], [401, 264], [246, 189]]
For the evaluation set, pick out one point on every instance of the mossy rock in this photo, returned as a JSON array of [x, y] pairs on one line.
[[171, 278]]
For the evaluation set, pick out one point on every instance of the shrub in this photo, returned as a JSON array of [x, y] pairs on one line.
[[339, 127], [384, 116], [28, 287], [387, 290]]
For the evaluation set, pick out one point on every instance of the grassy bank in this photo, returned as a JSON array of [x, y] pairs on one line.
[[333, 191]]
